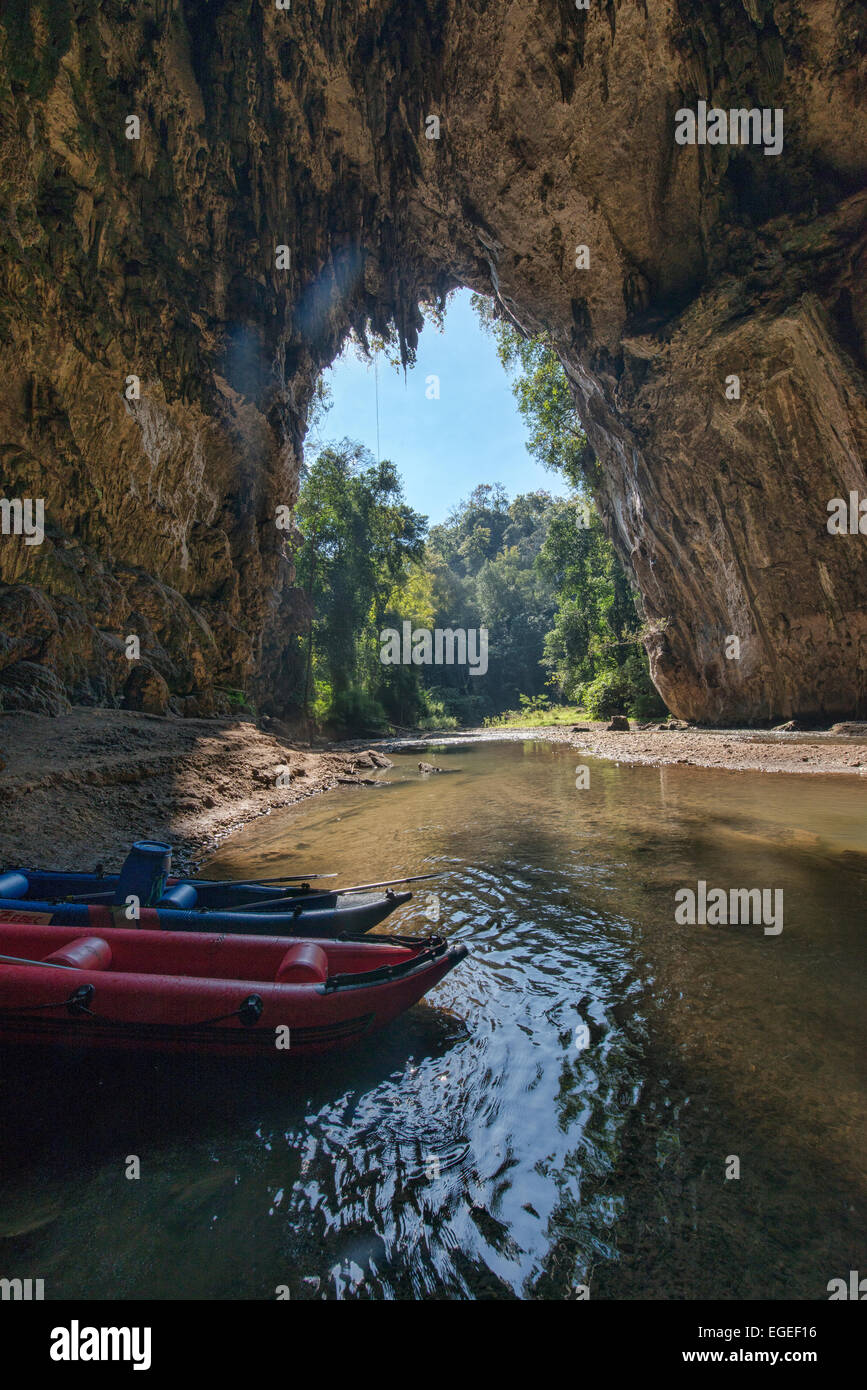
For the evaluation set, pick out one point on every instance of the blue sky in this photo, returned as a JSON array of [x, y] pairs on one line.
[[442, 448]]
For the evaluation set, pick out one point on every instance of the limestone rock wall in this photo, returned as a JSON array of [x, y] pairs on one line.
[[305, 128]]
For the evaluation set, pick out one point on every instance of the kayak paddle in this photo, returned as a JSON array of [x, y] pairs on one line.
[[295, 901]]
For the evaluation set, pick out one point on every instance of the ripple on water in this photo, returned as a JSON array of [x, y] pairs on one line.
[[558, 1111]]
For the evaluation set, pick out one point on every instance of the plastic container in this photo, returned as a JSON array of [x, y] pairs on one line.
[[144, 873]]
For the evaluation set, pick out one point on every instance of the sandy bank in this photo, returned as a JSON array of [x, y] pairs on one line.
[[78, 789]]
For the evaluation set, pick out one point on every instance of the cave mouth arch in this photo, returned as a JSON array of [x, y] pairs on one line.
[[449, 420], [806, 661], [446, 438], [309, 129]]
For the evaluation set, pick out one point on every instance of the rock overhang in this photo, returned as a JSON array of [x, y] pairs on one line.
[[308, 129]]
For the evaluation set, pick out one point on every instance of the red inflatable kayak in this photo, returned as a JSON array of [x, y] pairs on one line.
[[228, 995]]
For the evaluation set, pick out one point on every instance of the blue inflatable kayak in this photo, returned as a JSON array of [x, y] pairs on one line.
[[101, 901]]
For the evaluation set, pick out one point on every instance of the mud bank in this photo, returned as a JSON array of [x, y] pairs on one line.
[[734, 750], [77, 789]]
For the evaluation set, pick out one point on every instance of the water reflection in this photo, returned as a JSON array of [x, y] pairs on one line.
[[474, 1149]]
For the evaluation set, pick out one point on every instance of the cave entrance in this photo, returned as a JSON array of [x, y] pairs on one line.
[[455, 569], [449, 423]]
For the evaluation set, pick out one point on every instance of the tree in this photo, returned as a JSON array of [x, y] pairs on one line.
[[482, 561], [597, 625], [544, 400], [359, 539]]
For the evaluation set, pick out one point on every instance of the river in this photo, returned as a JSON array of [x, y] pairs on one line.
[[598, 1098]]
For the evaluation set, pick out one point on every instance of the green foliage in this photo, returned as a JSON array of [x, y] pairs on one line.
[[460, 708], [607, 694], [645, 701], [593, 648], [437, 713], [482, 562], [238, 700], [355, 709], [360, 539], [535, 718], [534, 704], [538, 573]]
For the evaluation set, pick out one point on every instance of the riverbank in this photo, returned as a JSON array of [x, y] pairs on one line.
[[79, 788], [831, 752]]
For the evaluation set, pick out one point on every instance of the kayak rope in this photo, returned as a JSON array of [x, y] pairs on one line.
[[76, 1003], [249, 1010]]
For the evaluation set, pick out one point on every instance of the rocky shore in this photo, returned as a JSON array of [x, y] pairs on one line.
[[839, 750]]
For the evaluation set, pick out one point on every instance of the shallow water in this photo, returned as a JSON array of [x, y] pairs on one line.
[[473, 1149]]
